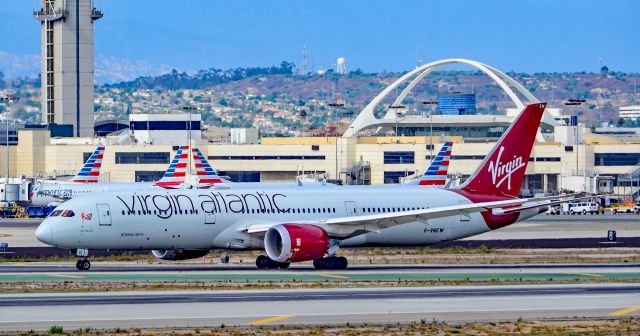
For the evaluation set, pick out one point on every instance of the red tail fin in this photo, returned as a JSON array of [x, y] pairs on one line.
[[502, 170]]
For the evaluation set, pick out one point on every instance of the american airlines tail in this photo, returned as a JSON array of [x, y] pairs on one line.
[[436, 174], [90, 172], [207, 177], [175, 175], [502, 170]]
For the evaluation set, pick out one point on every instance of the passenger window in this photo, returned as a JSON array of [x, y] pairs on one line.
[[123, 212]]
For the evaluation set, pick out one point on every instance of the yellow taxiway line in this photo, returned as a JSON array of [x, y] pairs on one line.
[[68, 276], [335, 276], [625, 311], [270, 319]]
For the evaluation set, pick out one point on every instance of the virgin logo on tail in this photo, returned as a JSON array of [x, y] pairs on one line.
[[503, 171]]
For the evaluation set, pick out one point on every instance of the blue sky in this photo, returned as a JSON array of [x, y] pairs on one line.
[[524, 35]]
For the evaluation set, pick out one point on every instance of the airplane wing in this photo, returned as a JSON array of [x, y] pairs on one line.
[[346, 227]]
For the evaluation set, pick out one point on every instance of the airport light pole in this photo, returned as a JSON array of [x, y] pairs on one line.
[[430, 102], [398, 110], [7, 101], [335, 106], [576, 102], [188, 109]]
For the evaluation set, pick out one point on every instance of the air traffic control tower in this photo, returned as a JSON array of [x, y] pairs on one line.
[[67, 63]]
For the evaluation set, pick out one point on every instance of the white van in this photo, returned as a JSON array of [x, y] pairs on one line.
[[581, 208]]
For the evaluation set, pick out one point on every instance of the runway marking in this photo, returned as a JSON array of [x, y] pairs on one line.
[[591, 274], [335, 276], [270, 319], [5, 235], [586, 274], [624, 311], [68, 276]]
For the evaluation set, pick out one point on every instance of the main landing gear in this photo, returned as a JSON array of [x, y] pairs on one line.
[[264, 262], [82, 264], [332, 262]]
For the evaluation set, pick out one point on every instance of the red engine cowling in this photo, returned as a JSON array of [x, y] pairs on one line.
[[295, 242]]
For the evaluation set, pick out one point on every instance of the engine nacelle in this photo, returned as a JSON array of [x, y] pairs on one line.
[[179, 254], [295, 242]]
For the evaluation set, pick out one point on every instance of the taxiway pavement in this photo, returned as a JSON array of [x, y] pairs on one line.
[[327, 306]]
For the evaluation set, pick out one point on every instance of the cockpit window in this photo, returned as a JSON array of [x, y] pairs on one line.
[[68, 213], [55, 213]]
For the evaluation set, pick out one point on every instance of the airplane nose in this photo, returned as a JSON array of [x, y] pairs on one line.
[[44, 233]]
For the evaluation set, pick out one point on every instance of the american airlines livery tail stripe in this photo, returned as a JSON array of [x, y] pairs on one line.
[[207, 177], [90, 172], [436, 174], [175, 175]]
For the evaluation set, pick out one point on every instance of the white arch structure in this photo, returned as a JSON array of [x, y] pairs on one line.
[[367, 119]]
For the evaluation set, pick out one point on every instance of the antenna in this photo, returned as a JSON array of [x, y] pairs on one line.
[[418, 59], [304, 60]]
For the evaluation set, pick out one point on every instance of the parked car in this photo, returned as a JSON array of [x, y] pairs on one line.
[[624, 208], [582, 208], [554, 210]]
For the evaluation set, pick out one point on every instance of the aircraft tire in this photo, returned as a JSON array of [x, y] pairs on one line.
[[262, 262], [342, 263], [318, 264], [284, 265], [83, 265], [331, 263]]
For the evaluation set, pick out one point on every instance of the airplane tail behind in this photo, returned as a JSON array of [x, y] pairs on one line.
[[502, 171], [207, 177], [175, 175], [436, 174], [90, 172]]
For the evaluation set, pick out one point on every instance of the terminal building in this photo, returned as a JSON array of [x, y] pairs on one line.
[[391, 149], [457, 104]]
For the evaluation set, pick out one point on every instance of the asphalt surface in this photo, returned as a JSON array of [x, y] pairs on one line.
[[123, 267], [328, 306], [173, 273]]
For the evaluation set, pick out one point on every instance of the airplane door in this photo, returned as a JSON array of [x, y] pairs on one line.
[[104, 214], [209, 217], [351, 208]]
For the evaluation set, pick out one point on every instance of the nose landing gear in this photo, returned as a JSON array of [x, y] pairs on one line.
[[82, 264]]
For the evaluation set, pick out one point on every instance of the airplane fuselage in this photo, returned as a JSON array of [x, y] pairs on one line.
[[46, 193], [216, 218]]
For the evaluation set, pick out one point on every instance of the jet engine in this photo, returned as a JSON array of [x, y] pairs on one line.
[[295, 242], [178, 254]]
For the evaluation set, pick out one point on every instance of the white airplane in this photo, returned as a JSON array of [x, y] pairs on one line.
[[295, 224], [86, 181]]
